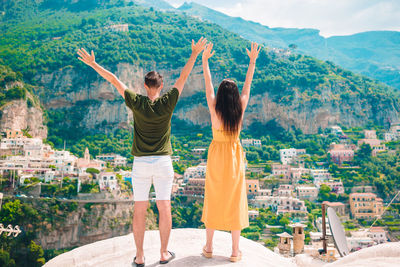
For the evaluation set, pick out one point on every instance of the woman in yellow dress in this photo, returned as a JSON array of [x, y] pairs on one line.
[[225, 198]]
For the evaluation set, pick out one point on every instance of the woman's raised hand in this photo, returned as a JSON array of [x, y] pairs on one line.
[[199, 46], [85, 57], [207, 51], [253, 53]]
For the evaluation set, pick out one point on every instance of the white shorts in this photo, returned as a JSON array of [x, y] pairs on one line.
[[152, 169]]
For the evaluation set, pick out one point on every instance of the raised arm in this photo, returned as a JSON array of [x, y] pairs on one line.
[[187, 69], [210, 94], [90, 61], [253, 54]]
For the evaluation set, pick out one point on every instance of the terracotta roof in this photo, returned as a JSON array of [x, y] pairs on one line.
[[377, 229]]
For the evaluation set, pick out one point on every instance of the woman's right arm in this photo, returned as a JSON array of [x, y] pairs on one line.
[[207, 77], [253, 54], [90, 61]]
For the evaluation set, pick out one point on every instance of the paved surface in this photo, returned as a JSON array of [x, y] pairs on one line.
[[186, 243]]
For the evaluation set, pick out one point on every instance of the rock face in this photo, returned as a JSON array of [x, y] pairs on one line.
[[186, 243], [90, 223], [17, 115], [98, 105]]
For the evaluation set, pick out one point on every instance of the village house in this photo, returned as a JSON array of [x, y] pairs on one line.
[[319, 176], [340, 153], [377, 234], [253, 214], [284, 190], [108, 180], [282, 172], [335, 185], [281, 204], [365, 205], [198, 171], [194, 187], [307, 192], [85, 163], [375, 144], [251, 142], [339, 207], [113, 159], [253, 187], [119, 27], [290, 156]]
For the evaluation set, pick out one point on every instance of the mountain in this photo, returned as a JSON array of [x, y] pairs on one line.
[[375, 54], [289, 89], [159, 4]]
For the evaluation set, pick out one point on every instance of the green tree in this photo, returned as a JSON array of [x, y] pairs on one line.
[[35, 254]]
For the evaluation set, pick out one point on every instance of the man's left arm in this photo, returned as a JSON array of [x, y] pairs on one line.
[[187, 69]]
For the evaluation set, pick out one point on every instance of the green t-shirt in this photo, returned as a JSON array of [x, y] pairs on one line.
[[152, 122]]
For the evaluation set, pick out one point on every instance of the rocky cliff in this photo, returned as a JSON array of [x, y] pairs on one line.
[[17, 115], [88, 223], [100, 107]]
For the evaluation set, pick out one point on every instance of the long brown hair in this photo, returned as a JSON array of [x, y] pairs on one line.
[[228, 105]]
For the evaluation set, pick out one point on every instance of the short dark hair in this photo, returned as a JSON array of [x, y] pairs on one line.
[[153, 79]]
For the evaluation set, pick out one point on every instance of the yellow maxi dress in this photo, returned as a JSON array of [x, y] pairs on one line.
[[225, 198]]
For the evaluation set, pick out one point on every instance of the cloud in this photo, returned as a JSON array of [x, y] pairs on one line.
[[331, 17]]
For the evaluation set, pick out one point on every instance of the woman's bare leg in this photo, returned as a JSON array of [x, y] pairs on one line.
[[210, 235], [235, 242]]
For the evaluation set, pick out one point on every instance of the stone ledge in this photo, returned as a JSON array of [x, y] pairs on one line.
[[186, 243]]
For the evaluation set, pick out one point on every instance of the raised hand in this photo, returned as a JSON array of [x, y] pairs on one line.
[[85, 57], [253, 53], [199, 46], [207, 51]]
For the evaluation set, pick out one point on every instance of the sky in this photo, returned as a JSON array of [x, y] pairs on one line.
[[331, 17]]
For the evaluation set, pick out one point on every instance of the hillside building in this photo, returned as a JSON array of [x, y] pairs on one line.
[[365, 205]]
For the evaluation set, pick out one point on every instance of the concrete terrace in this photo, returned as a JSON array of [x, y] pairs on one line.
[[187, 244]]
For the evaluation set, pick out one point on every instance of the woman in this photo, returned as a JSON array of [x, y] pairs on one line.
[[225, 199]]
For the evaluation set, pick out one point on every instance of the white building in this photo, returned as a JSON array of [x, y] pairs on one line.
[[319, 176], [280, 204], [253, 214], [336, 130], [289, 156], [377, 234], [307, 192], [114, 159], [251, 142], [198, 171], [198, 151], [108, 180]]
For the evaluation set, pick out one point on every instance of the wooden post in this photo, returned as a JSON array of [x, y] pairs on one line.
[[323, 209]]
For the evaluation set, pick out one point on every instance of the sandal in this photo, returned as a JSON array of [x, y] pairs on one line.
[[207, 254], [170, 258], [137, 264], [236, 258]]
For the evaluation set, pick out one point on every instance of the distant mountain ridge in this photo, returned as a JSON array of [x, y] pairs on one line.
[[375, 53]]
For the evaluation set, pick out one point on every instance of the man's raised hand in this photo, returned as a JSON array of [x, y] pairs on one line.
[[253, 53], [85, 57], [199, 46], [207, 52]]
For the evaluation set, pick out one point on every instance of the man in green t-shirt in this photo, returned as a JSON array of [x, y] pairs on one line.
[[151, 146]]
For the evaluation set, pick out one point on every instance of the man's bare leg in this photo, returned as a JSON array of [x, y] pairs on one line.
[[139, 227], [165, 225]]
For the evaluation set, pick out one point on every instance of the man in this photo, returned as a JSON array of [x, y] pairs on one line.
[[151, 146]]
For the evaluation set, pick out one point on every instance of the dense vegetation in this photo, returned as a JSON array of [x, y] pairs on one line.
[[45, 40]]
